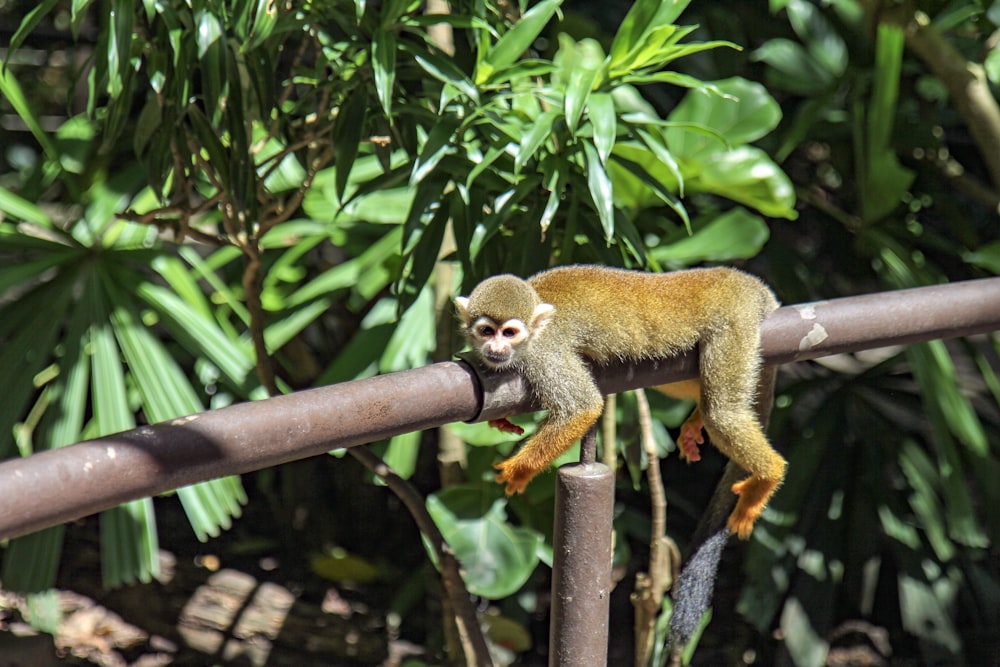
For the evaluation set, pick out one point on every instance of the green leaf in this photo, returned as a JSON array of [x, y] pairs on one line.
[[986, 257], [208, 31], [991, 64], [882, 179], [516, 41], [11, 89], [653, 185], [78, 12], [277, 334], [601, 189], [424, 256], [441, 141], [744, 113], [359, 358], [30, 563], [122, 16], [642, 17], [581, 82], [280, 174], [199, 333], [736, 234], [601, 111], [923, 478], [445, 71], [519, 71], [347, 274], [497, 559], [28, 24], [427, 194], [22, 209], [221, 294], [926, 614], [384, 68], [826, 47], [658, 147], [883, 183], [110, 401], [29, 328], [167, 394], [541, 130], [401, 454], [748, 176], [413, 340], [936, 372], [129, 545], [885, 89], [793, 67], [265, 19]]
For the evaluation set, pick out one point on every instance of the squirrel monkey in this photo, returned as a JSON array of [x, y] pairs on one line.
[[548, 326]]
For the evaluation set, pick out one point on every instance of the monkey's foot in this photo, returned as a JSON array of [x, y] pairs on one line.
[[514, 475], [754, 493], [691, 436], [506, 426]]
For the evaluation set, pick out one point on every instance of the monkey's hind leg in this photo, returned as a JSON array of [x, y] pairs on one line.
[[729, 379], [739, 437]]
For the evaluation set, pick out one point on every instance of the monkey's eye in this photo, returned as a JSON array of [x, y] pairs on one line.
[[486, 331], [509, 332]]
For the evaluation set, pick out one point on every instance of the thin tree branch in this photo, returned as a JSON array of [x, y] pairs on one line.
[[473, 642], [966, 83]]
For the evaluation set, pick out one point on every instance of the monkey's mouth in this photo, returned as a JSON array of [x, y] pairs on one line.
[[496, 360]]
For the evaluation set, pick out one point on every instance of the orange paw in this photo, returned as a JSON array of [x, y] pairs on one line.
[[515, 476], [742, 524], [691, 436], [506, 426], [754, 494], [688, 443]]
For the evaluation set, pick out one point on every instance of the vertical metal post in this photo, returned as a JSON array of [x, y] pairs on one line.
[[581, 571]]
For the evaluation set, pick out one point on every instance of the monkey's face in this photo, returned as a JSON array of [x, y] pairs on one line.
[[497, 342], [500, 318]]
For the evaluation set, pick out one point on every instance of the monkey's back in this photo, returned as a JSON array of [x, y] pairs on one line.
[[617, 313]]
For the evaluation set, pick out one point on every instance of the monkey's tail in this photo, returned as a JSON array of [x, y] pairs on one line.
[[696, 583]]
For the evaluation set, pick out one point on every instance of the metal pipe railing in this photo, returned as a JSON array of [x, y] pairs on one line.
[[98, 474]]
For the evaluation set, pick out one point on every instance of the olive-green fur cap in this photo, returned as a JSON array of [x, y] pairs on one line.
[[506, 297]]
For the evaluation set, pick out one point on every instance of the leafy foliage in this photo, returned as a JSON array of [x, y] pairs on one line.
[[896, 447], [250, 200]]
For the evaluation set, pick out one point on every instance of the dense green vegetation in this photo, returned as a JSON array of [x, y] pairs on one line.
[[210, 202]]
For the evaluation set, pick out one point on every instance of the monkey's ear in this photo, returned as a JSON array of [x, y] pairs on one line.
[[462, 306], [543, 312]]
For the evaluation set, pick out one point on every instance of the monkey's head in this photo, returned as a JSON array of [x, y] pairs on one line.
[[500, 317]]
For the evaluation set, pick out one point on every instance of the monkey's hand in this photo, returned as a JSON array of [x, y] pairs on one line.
[[754, 493], [691, 436], [506, 426], [556, 434]]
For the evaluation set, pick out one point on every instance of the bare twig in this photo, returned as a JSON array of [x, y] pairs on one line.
[[472, 640], [664, 557]]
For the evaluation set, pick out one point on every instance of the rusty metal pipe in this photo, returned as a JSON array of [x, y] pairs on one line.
[[98, 474], [808, 331], [95, 475], [581, 568]]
